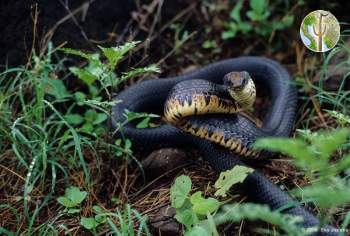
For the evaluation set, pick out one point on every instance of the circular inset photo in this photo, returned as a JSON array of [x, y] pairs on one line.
[[320, 31]]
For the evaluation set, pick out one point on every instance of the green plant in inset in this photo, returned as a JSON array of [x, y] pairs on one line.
[[321, 31]]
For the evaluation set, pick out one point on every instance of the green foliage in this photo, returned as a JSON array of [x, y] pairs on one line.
[[312, 153], [201, 215], [201, 205], [52, 129], [190, 209], [259, 21], [229, 178], [180, 190], [72, 197], [250, 211]]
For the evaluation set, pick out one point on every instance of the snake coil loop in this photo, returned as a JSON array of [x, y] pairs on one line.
[[150, 96]]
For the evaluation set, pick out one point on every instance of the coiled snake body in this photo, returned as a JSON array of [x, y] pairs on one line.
[[152, 96], [191, 98]]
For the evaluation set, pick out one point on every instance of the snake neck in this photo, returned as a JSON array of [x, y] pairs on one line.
[[245, 97]]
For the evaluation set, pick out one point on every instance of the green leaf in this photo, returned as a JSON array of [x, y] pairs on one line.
[[296, 148], [76, 53], [245, 27], [80, 97], [198, 231], [114, 54], [236, 212], [87, 128], [128, 144], [130, 115], [179, 191], [100, 218], [84, 75], [73, 211], [325, 196], [75, 195], [100, 117], [138, 71], [90, 115], [259, 6], [202, 206], [97, 209], [236, 11], [144, 123], [228, 34], [230, 177], [74, 119], [66, 202], [341, 118], [89, 223], [56, 88], [327, 143], [186, 217]]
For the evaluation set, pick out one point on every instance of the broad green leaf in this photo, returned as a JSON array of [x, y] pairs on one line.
[[198, 231], [144, 123], [245, 27], [230, 177], [97, 209], [74, 119], [66, 202], [296, 148], [100, 218], [128, 144], [80, 97], [87, 128], [84, 75], [90, 115], [89, 223], [186, 217], [56, 88], [203, 205], [75, 195], [236, 212], [179, 191], [100, 117], [114, 54], [326, 196], [327, 143], [259, 6]]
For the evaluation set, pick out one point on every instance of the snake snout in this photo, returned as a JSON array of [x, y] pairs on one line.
[[236, 80]]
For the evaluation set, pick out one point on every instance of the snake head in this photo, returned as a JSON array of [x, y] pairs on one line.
[[236, 80]]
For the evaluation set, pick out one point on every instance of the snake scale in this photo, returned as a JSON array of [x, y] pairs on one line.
[[151, 96]]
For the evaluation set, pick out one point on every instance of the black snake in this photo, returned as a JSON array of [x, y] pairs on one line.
[[151, 96]]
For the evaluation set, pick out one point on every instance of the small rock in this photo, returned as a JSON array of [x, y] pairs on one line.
[[163, 160], [165, 223]]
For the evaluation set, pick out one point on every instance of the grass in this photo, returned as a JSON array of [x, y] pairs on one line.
[[40, 133]]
